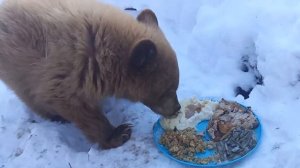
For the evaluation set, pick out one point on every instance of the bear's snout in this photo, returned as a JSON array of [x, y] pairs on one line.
[[167, 106]]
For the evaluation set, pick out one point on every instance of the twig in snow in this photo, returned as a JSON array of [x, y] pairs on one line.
[[70, 165]]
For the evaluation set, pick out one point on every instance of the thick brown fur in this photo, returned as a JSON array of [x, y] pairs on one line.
[[62, 57]]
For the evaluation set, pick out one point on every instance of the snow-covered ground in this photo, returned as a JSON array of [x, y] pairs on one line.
[[221, 45]]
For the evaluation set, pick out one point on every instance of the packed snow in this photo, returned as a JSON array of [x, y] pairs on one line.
[[224, 48]]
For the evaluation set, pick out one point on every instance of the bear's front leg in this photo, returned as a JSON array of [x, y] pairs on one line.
[[98, 129], [93, 123]]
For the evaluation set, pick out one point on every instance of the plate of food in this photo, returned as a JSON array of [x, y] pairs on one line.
[[208, 133]]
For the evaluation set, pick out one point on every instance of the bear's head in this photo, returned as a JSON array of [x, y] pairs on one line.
[[153, 69]]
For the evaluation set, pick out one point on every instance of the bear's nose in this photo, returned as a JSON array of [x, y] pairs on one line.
[[176, 111], [178, 107]]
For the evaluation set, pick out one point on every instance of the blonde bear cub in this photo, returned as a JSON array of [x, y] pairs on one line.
[[62, 57]]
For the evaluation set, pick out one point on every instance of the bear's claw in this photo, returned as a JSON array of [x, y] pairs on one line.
[[120, 135]]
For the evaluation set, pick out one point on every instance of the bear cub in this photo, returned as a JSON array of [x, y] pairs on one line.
[[62, 57]]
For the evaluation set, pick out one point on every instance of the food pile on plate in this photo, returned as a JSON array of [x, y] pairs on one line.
[[185, 144], [229, 134]]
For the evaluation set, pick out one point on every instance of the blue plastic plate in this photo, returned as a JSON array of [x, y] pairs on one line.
[[201, 127]]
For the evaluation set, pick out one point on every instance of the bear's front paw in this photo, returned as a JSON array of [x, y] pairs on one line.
[[120, 135]]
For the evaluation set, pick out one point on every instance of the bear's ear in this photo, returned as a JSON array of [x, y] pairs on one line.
[[142, 55], [148, 17]]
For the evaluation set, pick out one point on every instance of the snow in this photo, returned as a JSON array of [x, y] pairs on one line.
[[212, 39]]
